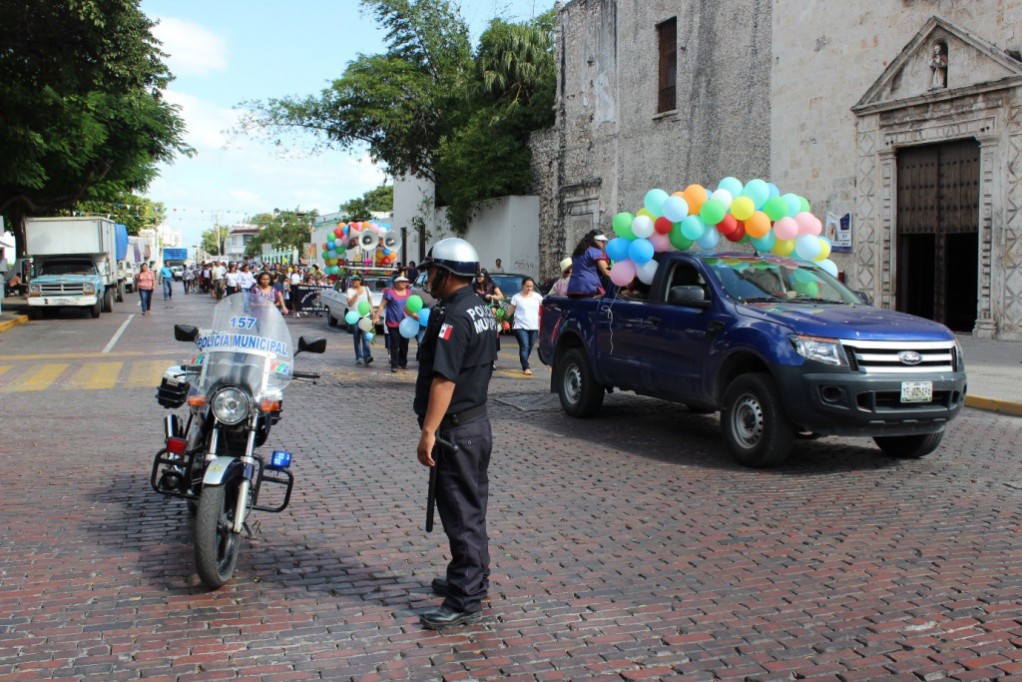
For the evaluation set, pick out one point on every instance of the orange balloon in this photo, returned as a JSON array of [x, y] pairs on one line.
[[695, 197], [757, 225]]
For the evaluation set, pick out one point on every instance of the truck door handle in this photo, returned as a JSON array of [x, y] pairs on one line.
[[714, 328]]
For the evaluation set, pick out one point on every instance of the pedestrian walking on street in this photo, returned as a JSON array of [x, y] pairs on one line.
[[525, 311], [189, 279], [456, 363], [264, 294], [145, 282], [167, 277], [358, 292], [393, 303]]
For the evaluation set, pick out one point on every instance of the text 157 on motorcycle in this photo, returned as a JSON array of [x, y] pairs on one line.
[[233, 387]]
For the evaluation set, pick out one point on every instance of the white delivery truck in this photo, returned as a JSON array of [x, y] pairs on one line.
[[75, 261]]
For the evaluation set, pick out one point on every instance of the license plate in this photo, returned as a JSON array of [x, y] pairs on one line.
[[58, 300], [916, 391]]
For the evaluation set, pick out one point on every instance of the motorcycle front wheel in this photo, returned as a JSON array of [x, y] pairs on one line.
[[216, 544]]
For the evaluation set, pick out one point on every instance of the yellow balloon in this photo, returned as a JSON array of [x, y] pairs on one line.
[[784, 247], [643, 211], [824, 251], [742, 208]]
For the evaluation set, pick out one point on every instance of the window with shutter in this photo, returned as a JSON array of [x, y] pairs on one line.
[[667, 37]]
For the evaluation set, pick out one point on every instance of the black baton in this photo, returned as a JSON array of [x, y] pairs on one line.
[[431, 491]]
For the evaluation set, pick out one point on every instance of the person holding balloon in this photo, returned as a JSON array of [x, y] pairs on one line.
[[589, 268], [360, 299], [394, 302]]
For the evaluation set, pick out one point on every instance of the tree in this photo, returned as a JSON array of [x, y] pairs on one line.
[[395, 103], [212, 240], [281, 230], [135, 212], [378, 200], [83, 114]]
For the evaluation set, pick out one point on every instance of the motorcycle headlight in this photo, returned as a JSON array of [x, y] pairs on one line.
[[826, 351], [230, 406]]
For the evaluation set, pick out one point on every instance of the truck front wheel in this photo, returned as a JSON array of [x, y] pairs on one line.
[[108, 300], [909, 447], [96, 308], [756, 430], [580, 395]]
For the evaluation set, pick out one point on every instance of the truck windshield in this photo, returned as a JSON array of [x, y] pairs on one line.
[[67, 267], [750, 279]]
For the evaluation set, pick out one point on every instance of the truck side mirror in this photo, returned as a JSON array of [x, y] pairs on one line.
[[185, 332], [314, 345], [690, 295]]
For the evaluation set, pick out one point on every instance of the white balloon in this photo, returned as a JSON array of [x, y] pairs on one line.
[[642, 226], [829, 265], [646, 271], [723, 196], [365, 324]]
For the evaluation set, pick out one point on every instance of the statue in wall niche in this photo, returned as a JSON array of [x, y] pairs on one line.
[[938, 67]]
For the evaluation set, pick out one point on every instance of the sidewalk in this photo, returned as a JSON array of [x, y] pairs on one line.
[[994, 369], [12, 312]]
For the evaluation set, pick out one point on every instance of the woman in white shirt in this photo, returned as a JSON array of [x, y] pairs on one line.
[[525, 308]]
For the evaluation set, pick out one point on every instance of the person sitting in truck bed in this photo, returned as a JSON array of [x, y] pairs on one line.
[[589, 268]]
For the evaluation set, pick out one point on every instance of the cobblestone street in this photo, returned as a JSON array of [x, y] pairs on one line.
[[627, 546]]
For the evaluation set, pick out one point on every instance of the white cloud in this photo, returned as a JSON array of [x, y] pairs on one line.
[[193, 50]]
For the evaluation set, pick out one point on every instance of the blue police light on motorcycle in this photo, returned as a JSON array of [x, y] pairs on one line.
[[281, 459]]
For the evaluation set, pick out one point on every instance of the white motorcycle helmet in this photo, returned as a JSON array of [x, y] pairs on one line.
[[455, 255]]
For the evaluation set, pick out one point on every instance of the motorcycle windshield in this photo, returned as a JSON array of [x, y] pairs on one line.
[[248, 346]]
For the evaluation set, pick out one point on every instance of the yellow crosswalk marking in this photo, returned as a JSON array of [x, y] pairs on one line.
[[147, 374], [36, 379], [95, 376], [4, 368]]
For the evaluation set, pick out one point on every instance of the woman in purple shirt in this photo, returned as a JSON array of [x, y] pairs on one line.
[[589, 266]]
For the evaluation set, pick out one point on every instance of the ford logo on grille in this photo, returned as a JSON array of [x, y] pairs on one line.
[[910, 357]]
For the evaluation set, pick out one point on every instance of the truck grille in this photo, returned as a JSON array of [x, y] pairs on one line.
[[900, 357], [59, 289]]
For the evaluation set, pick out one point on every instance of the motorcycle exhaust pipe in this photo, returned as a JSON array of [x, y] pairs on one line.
[[171, 426]]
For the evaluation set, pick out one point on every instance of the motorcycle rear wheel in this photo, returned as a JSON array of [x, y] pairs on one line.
[[216, 544]]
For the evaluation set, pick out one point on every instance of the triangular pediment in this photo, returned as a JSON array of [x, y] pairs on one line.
[[942, 60]]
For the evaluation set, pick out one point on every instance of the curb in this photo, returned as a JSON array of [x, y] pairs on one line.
[[20, 319], [994, 405]]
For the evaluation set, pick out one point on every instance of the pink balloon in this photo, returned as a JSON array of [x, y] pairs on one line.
[[622, 273], [786, 228], [661, 242], [808, 224]]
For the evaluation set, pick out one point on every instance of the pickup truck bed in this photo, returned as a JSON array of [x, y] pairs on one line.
[[778, 346]]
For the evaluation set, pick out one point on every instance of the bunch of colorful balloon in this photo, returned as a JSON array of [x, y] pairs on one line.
[[365, 243], [755, 212], [409, 326], [361, 318]]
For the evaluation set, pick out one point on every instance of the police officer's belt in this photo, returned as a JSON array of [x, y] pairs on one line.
[[464, 417]]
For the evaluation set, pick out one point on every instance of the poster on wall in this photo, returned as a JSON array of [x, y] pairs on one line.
[[839, 232]]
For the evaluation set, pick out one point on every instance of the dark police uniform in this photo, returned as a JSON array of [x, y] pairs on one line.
[[461, 345]]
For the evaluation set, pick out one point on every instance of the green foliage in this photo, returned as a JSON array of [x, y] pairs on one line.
[[377, 200], [281, 230], [83, 116], [212, 239], [137, 213]]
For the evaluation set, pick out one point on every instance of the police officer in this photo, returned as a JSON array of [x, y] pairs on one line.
[[455, 364]]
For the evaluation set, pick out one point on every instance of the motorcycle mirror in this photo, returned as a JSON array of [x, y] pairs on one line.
[[314, 345], [185, 332]]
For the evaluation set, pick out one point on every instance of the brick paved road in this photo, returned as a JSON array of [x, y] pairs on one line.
[[626, 546]]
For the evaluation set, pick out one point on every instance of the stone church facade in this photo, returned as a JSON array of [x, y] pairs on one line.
[[905, 118]]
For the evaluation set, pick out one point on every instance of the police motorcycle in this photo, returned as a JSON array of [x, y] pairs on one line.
[[234, 388]]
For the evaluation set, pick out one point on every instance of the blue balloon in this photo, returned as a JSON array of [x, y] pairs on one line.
[[654, 201], [409, 327], [732, 185], [793, 204], [423, 317], [617, 248], [764, 243], [641, 251], [351, 317], [758, 191], [709, 239], [693, 227], [774, 192], [369, 337]]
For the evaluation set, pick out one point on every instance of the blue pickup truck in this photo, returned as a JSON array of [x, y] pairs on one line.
[[777, 345]]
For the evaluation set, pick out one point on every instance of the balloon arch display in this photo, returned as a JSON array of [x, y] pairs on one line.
[[365, 243], [755, 212]]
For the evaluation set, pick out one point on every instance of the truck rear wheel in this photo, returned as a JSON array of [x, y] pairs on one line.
[[756, 430], [909, 447], [580, 395]]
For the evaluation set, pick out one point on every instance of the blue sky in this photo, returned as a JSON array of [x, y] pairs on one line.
[[224, 52]]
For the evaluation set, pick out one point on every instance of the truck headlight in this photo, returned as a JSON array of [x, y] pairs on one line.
[[35, 290], [230, 406], [817, 349], [89, 288]]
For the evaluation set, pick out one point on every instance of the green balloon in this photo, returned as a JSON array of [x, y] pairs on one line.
[[622, 225], [803, 204], [364, 308], [414, 303], [775, 208], [678, 240], [712, 212]]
